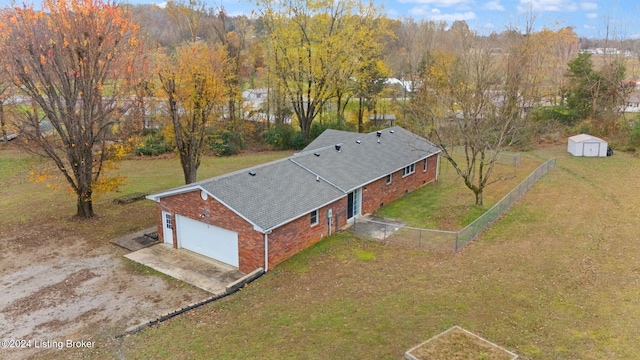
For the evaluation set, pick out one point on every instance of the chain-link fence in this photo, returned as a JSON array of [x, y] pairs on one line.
[[441, 240]]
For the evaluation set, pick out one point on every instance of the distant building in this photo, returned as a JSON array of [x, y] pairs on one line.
[[382, 120]]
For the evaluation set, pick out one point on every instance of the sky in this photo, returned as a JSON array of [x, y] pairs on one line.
[[589, 18]]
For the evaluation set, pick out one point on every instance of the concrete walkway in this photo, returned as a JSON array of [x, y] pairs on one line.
[[187, 266]]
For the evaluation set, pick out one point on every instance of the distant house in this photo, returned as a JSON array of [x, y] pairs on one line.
[[633, 103], [254, 98], [260, 216], [382, 120]]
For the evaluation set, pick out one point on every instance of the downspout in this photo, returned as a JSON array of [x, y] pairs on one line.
[[266, 250], [437, 166]]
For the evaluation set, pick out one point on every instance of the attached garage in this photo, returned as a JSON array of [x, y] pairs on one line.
[[209, 240], [587, 145]]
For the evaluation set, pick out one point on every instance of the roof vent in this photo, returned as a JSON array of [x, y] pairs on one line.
[[317, 178], [378, 133], [378, 141], [252, 173], [391, 131], [338, 146], [358, 142], [316, 154]]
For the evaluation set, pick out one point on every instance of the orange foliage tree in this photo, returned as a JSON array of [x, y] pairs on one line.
[[73, 63]]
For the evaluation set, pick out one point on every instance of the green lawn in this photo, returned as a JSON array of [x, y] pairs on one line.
[[558, 277], [55, 204], [448, 204]]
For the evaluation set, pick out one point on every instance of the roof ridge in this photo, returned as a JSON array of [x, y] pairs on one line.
[[318, 175]]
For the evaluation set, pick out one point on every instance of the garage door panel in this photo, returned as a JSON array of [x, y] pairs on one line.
[[591, 149], [208, 240]]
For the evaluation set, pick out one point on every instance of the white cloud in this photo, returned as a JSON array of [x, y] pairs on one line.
[[493, 5], [440, 3], [589, 27], [547, 5], [592, 16], [437, 15], [489, 26], [588, 6]]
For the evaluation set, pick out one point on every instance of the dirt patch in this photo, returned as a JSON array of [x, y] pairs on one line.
[[59, 286]]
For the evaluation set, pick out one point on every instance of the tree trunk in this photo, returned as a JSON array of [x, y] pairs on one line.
[[360, 114], [85, 204], [3, 125], [478, 197]]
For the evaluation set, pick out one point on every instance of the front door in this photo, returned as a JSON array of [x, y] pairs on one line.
[[354, 203], [167, 228]]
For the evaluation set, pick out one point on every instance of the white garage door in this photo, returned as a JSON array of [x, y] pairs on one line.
[[208, 240], [591, 149]]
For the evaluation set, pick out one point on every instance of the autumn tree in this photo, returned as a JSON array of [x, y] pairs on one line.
[[597, 93], [187, 15], [232, 35], [470, 101], [5, 93], [192, 80], [73, 61], [310, 44]]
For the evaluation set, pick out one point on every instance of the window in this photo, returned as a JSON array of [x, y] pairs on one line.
[[168, 221], [314, 217], [409, 170], [425, 165], [389, 179]]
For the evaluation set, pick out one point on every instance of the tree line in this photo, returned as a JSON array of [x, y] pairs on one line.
[[88, 68]]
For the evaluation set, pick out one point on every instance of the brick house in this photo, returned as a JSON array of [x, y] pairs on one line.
[[260, 216]]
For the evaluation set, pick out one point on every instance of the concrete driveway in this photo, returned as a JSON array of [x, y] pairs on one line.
[[184, 265]]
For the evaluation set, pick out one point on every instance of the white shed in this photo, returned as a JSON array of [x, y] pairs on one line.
[[587, 145]]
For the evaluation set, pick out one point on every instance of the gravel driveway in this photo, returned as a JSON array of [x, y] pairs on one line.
[[58, 290]]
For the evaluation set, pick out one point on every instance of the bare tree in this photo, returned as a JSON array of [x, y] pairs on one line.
[[470, 99]]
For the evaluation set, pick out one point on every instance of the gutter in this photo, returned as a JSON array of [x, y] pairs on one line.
[[266, 250]]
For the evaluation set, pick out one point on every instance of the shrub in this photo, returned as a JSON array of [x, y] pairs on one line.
[[284, 137], [634, 135], [335, 124], [225, 142], [154, 143]]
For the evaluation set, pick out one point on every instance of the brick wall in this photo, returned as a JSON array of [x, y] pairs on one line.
[[299, 234], [191, 205], [379, 192]]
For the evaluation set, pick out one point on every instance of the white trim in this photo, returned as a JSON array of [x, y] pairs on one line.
[[266, 250], [312, 224], [412, 169], [157, 197]]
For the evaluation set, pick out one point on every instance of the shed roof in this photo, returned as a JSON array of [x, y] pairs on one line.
[[585, 137]]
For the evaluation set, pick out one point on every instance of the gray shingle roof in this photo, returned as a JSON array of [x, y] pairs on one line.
[[286, 189], [279, 192], [330, 137], [357, 164]]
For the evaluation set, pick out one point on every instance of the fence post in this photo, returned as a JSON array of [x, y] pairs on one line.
[[457, 235]]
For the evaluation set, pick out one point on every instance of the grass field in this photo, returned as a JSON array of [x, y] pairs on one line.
[[54, 204], [448, 205], [558, 277]]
